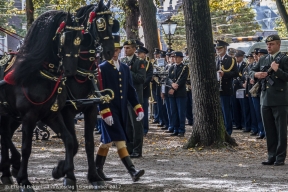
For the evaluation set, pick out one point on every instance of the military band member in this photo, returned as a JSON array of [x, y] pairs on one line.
[[177, 77], [155, 82], [227, 70], [163, 116], [165, 89], [241, 108], [246, 86], [256, 98], [135, 131], [116, 76], [274, 99], [141, 52]]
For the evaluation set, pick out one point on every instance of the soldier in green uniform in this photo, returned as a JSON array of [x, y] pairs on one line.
[[138, 72], [274, 99]]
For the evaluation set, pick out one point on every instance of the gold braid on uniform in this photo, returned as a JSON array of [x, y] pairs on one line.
[[231, 67]]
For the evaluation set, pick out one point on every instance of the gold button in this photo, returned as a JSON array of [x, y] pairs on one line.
[[281, 89], [120, 91], [119, 73], [267, 87], [114, 67], [120, 79], [120, 85], [276, 76], [121, 97]]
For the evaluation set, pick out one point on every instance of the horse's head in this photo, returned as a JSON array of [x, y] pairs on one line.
[[101, 25], [69, 40]]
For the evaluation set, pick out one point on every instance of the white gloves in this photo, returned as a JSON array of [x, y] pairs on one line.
[[140, 116], [109, 120]]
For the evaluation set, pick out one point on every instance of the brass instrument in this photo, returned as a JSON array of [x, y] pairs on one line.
[[254, 90], [220, 80]]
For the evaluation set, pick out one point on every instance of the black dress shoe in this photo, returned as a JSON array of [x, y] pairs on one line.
[[164, 128], [168, 131], [238, 128], [155, 122], [174, 134], [278, 163], [260, 137], [253, 134], [135, 155], [246, 131], [267, 162], [181, 135], [161, 125]]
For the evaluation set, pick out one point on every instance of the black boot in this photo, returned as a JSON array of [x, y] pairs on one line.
[[100, 160], [135, 174]]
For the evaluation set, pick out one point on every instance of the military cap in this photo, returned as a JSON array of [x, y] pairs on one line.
[[220, 44], [142, 49], [177, 54], [157, 51], [256, 51], [239, 53], [231, 51], [130, 42], [169, 51], [264, 51], [272, 38], [250, 55], [117, 41], [163, 53]]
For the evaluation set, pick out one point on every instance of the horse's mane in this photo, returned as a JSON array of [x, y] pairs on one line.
[[38, 45], [83, 13]]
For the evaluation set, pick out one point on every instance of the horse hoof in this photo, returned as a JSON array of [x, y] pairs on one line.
[[14, 172], [56, 174], [70, 184], [7, 180], [26, 189], [98, 184]]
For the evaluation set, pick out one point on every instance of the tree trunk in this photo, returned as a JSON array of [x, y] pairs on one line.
[[132, 14], [149, 23], [29, 13], [208, 128], [282, 11]]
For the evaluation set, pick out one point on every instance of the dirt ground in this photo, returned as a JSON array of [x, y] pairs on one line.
[[167, 166]]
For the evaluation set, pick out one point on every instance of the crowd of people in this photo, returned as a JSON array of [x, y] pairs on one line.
[[164, 84], [254, 94]]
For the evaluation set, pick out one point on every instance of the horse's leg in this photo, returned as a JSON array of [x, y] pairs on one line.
[[90, 118], [5, 161], [64, 167], [15, 155], [68, 114], [28, 125]]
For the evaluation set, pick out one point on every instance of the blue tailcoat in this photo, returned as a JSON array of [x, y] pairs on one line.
[[121, 83]]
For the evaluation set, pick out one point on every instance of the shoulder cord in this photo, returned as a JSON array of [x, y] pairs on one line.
[[231, 67]]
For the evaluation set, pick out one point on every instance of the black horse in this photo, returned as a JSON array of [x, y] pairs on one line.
[[35, 90], [83, 84]]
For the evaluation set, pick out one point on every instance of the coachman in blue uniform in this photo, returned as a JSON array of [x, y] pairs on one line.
[[116, 76]]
